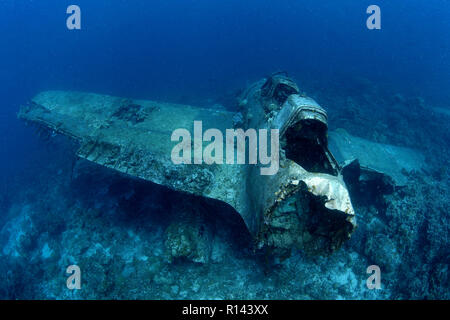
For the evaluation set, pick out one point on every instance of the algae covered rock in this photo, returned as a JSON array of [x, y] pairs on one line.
[[188, 237]]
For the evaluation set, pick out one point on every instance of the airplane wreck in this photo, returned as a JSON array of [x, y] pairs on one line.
[[305, 206]]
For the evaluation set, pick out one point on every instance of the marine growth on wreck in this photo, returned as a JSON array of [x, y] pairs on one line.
[[304, 204]]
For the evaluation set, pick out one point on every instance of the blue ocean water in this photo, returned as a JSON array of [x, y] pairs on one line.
[[202, 52]]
